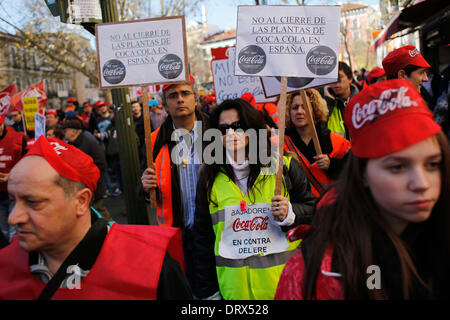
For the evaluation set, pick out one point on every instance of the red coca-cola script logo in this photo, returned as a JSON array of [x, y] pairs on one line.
[[257, 223]]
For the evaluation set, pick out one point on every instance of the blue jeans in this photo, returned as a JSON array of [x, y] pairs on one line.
[[7, 230]]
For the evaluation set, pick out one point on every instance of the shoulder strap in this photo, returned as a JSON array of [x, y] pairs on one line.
[[305, 167]]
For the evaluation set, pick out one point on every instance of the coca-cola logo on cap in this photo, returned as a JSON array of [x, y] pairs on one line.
[[321, 60], [114, 71], [252, 59], [170, 66]]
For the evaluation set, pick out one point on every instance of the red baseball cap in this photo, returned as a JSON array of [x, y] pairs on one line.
[[375, 73], [71, 100], [167, 86], [67, 160], [100, 103], [401, 57], [386, 117], [247, 96]]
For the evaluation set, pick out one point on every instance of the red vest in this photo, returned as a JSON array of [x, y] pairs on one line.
[[164, 213], [127, 267], [271, 109], [10, 152]]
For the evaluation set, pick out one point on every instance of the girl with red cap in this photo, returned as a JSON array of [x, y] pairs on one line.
[[383, 232]]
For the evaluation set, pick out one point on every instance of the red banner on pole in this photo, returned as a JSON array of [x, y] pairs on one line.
[[5, 96], [36, 90]]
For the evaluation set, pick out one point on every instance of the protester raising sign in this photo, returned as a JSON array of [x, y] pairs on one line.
[[291, 41], [137, 53], [36, 90], [5, 96], [226, 84]]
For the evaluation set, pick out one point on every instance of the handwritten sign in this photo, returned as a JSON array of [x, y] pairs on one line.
[[30, 107], [291, 41], [229, 86], [137, 53]]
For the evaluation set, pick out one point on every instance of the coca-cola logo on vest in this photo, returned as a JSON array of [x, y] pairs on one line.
[[252, 59], [321, 60], [170, 66], [114, 71]]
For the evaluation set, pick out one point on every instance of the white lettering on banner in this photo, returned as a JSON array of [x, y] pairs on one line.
[[389, 100], [250, 232]]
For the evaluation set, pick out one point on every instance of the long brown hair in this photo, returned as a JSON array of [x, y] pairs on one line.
[[350, 222]]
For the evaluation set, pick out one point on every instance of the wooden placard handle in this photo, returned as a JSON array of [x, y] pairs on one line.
[[310, 118], [148, 142], [281, 129]]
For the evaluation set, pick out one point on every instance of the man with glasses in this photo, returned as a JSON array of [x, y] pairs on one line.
[[175, 174], [16, 116]]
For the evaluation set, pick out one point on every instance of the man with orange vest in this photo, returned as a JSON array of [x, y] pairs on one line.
[[13, 146], [177, 162], [65, 250]]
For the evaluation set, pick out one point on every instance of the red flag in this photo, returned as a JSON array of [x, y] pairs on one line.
[[36, 90], [5, 96]]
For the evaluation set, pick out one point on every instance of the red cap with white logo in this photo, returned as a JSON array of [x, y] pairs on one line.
[[67, 160], [387, 117], [401, 57], [167, 86]]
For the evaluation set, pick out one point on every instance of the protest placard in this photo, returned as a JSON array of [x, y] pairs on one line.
[[288, 42], [291, 41], [271, 85], [39, 125], [229, 86], [30, 107], [138, 53]]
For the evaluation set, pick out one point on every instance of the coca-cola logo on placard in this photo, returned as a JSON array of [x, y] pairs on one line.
[[170, 66], [252, 59], [114, 71], [296, 82], [257, 223], [321, 60]]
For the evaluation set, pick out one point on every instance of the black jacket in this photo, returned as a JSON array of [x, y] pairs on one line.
[[89, 145], [302, 201]]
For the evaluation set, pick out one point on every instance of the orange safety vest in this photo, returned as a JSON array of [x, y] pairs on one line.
[[271, 109], [340, 148], [164, 211], [127, 267]]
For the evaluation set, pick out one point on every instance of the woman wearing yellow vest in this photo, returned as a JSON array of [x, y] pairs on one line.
[[240, 227], [323, 169]]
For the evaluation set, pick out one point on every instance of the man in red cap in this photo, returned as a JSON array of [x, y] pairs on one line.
[[175, 174], [72, 104], [64, 250], [406, 63], [376, 75], [12, 148], [51, 118]]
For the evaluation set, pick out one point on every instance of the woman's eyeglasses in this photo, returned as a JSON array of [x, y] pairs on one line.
[[224, 127]]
